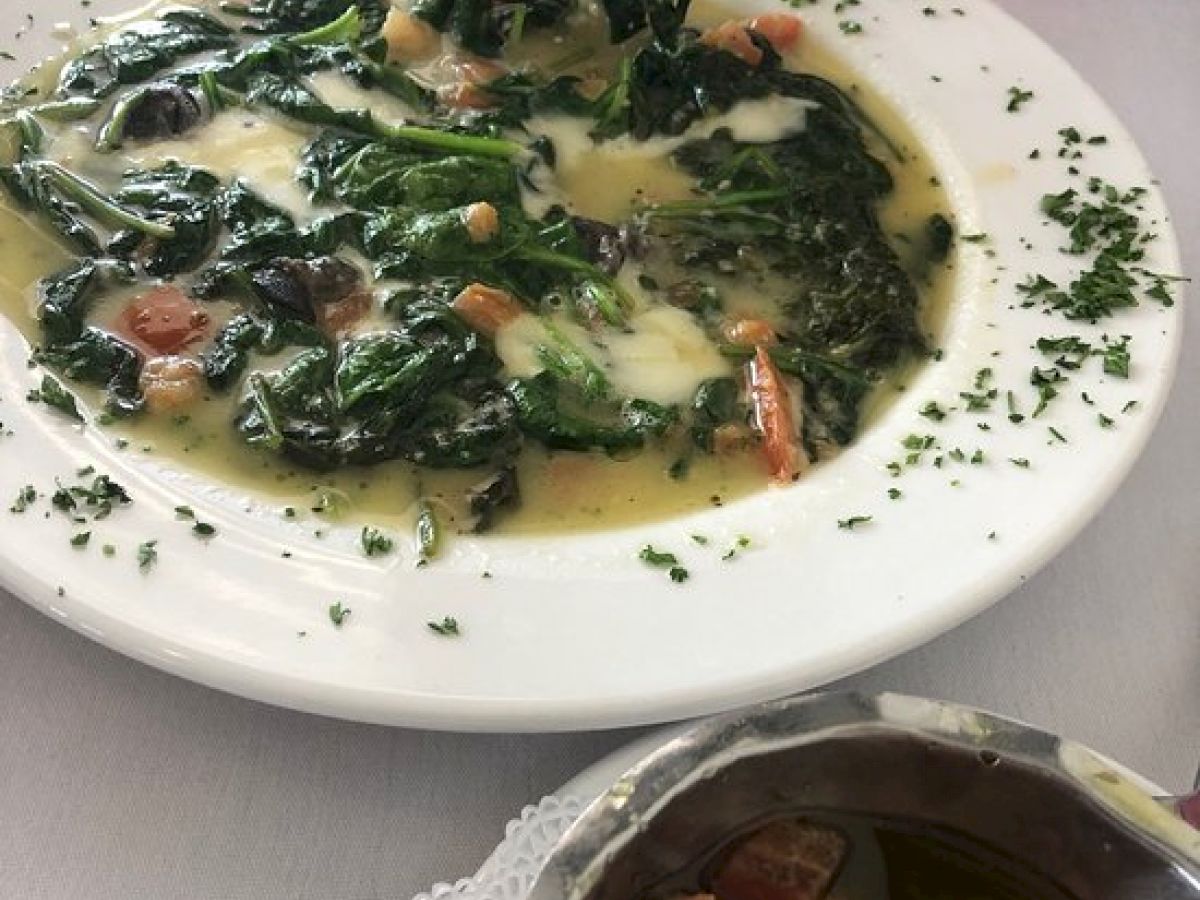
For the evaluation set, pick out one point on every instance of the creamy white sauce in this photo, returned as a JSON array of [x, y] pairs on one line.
[[341, 92], [663, 357], [240, 144], [752, 121]]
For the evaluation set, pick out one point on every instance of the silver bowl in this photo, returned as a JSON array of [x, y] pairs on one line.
[[1050, 806]]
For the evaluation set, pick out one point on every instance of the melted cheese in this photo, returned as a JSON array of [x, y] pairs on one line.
[[341, 93], [662, 357], [240, 144], [641, 171]]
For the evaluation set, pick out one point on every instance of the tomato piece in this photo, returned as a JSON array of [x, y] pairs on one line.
[[338, 316], [748, 332], [732, 37], [164, 319], [171, 383], [409, 38], [776, 421], [782, 30], [790, 860], [486, 309]]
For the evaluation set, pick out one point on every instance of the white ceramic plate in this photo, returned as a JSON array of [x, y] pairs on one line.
[[573, 631]]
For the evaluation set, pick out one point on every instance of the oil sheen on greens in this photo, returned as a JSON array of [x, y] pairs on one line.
[[425, 387]]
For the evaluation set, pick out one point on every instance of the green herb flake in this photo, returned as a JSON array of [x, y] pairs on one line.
[[25, 498], [660, 559], [54, 395], [375, 542], [933, 411], [854, 522], [448, 627], [338, 614], [1017, 97], [678, 574], [147, 554], [203, 530], [81, 539], [184, 512]]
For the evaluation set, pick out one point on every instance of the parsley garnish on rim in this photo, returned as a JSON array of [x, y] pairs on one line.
[[147, 554], [448, 627], [664, 560], [375, 542], [854, 522], [1017, 97]]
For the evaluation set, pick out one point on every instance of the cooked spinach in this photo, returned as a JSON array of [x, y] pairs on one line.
[[484, 27], [141, 51], [290, 16], [396, 229]]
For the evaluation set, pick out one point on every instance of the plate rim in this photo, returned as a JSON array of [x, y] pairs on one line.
[[566, 713]]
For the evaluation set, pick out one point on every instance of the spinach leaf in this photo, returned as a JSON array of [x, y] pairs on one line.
[[98, 358], [296, 101], [715, 403], [483, 27], [187, 198], [442, 237], [291, 16], [138, 52], [64, 299], [548, 412], [159, 110], [627, 17]]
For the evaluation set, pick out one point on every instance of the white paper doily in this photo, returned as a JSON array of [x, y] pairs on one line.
[[510, 871]]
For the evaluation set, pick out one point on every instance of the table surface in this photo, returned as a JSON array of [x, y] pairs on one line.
[[117, 781]]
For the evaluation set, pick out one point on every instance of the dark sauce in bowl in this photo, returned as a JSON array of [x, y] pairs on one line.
[[849, 857]]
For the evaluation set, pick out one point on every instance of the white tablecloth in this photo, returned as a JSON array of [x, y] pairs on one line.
[[119, 782]]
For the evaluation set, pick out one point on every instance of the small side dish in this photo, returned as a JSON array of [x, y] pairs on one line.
[[523, 251]]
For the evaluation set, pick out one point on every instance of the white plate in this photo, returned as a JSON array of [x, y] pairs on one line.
[[573, 631]]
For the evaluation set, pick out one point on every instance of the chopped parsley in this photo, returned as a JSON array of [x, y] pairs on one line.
[[54, 395], [25, 498], [660, 559], [81, 539], [854, 522], [448, 627], [1017, 97], [375, 542], [338, 613], [203, 530], [147, 554]]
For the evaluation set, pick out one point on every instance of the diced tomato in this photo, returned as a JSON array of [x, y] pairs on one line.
[[482, 221], [781, 29], [773, 410], [171, 383], [476, 70], [409, 38], [732, 37], [486, 309], [164, 319], [336, 317], [465, 95], [747, 332], [790, 860]]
